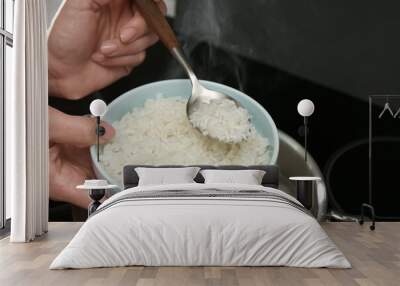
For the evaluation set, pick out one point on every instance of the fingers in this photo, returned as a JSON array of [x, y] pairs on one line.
[[161, 4], [135, 28], [129, 56], [127, 50], [114, 48], [126, 62], [131, 31], [97, 4], [59, 192], [76, 130], [69, 166], [101, 3]]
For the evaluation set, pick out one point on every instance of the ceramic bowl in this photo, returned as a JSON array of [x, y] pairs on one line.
[[135, 98]]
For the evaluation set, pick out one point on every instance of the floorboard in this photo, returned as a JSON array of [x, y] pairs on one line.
[[375, 257]]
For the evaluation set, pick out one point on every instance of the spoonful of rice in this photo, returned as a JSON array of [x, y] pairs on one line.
[[213, 113]]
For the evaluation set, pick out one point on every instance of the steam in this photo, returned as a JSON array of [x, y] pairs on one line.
[[202, 27]]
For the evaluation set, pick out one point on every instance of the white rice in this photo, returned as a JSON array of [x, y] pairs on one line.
[[223, 120], [160, 134]]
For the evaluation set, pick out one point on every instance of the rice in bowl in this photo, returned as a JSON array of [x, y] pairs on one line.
[[222, 119], [159, 133]]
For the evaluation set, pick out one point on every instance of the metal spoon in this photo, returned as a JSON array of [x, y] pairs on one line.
[[156, 20]]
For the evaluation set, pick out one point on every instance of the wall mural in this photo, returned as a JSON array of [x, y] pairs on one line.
[[279, 53]]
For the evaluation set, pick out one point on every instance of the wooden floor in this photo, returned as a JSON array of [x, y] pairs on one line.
[[375, 257]]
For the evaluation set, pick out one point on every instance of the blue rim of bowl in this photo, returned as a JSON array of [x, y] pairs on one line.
[[104, 174]]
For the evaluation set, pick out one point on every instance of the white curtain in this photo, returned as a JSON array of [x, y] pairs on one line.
[[26, 124]]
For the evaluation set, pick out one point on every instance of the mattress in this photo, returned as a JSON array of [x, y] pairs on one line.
[[201, 225]]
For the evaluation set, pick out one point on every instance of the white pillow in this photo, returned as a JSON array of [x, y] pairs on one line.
[[247, 177], [165, 176]]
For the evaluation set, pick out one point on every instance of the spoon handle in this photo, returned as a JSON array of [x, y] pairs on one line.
[[157, 22]]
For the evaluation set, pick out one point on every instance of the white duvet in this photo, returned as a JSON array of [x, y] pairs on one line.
[[200, 231]]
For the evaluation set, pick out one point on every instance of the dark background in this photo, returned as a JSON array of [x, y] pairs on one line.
[[335, 53]]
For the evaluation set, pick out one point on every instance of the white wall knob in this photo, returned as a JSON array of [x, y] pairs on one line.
[[98, 107], [305, 107]]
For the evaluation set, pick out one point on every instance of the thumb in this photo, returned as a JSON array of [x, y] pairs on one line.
[[137, 26], [79, 131]]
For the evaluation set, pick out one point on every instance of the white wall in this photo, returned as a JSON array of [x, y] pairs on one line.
[[9, 60], [8, 92]]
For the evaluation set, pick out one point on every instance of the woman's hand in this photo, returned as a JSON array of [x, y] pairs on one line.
[[93, 43], [70, 163]]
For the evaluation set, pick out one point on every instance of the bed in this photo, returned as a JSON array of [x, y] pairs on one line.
[[197, 224]]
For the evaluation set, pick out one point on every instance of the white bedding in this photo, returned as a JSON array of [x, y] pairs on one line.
[[189, 231]]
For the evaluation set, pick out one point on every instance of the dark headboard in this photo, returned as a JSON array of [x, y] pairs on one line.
[[271, 177]]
